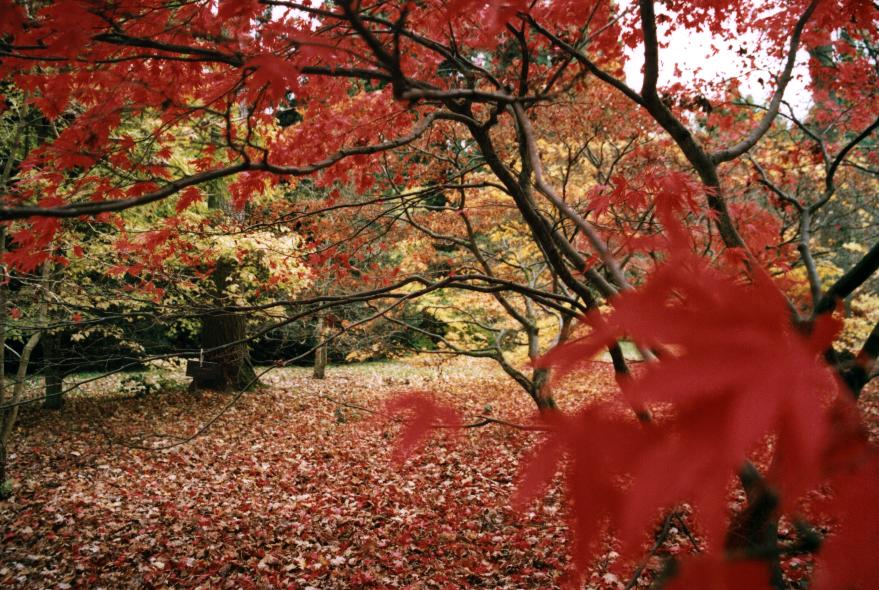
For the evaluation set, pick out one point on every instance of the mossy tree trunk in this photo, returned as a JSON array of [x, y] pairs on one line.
[[53, 356]]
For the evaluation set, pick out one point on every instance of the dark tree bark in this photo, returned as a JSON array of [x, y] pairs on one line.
[[230, 361], [54, 390], [540, 390], [3, 284], [320, 353], [2, 468], [223, 334]]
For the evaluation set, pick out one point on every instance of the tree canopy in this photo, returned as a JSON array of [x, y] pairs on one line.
[[384, 153]]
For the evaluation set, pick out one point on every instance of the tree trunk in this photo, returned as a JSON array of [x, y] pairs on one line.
[[540, 390], [9, 415], [320, 353], [755, 529], [53, 376], [2, 470], [3, 318], [231, 362], [223, 335]]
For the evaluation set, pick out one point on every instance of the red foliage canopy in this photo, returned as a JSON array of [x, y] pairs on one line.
[[733, 362]]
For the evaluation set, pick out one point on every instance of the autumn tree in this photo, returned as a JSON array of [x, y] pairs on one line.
[[468, 230], [683, 258]]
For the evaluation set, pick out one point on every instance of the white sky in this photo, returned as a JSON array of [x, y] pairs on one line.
[[694, 55], [692, 52]]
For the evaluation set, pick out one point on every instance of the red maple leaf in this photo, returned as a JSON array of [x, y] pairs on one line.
[[189, 196], [423, 415], [230, 9], [277, 75], [708, 572], [597, 481], [734, 370], [13, 18]]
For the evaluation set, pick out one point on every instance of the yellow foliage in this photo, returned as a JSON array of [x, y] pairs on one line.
[[861, 314]]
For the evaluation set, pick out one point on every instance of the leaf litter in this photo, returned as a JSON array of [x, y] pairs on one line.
[[295, 486]]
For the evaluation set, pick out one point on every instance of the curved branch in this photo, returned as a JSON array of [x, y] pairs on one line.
[[847, 283], [700, 160], [94, 208], [587, 228], [769, 116], [840, 157], [591, 66]]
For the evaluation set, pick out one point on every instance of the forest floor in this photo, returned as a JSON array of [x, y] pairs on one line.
[[292, 486]]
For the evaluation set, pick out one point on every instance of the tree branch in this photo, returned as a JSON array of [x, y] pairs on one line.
[[847, 283], [769, 116]]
